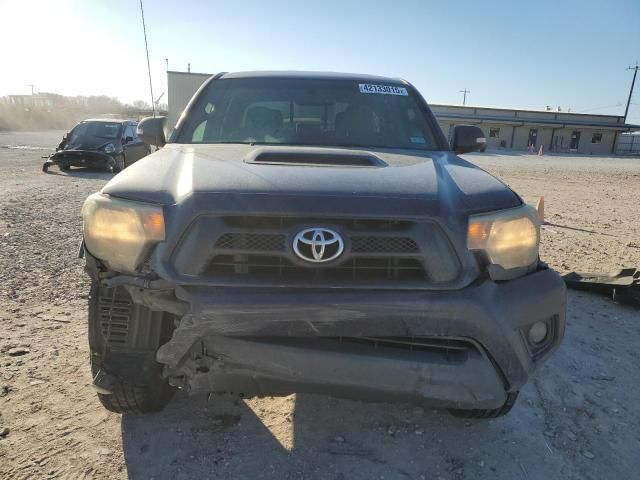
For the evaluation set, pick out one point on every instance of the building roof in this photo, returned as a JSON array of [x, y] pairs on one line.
[[523, 110], [553, 119], [189, 73]]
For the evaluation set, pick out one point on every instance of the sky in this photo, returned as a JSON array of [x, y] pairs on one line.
[[525, 54]]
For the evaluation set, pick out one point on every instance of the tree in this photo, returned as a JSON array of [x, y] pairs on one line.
[[141, 105]]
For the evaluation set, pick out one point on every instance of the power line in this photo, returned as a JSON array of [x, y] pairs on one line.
[[146, 46]]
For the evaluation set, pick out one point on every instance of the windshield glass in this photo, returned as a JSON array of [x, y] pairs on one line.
[[108, 130], [309, 112]]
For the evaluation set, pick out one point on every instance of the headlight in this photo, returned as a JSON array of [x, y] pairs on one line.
[[109, 148], [510, 238], [120, 232]]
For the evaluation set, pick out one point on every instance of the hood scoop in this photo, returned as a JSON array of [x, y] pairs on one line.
[[319, 157]]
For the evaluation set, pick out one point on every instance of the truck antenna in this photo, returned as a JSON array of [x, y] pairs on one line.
[[146, 46]]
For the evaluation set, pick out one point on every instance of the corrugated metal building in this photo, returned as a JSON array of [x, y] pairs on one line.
[[505, 128], [629, 144], [181, 86]]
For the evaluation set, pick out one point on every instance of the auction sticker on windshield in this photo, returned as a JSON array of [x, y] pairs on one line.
[[383, 89]]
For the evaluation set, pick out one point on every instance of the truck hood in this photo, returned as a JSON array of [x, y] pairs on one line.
[[432, 179]]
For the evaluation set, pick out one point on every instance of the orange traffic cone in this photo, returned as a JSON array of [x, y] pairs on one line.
[[540, 151], [540, 209]]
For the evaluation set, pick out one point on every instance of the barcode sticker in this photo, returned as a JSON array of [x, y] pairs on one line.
[[383, 89]]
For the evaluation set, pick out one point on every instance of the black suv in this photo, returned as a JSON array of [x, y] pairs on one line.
[[314, 232], [99, 143]]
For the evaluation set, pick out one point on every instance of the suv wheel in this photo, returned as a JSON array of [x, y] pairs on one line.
[[126, 375], [483, 413], [120, 164]]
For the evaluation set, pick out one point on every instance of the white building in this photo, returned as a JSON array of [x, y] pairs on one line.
[[181, 86]]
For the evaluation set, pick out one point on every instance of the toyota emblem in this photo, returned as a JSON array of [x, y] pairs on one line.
[[318, 245]]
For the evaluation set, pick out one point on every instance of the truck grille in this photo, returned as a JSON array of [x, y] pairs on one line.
[[372, 244], [261, 242], [267, 242], [360, 269], [258, 251]]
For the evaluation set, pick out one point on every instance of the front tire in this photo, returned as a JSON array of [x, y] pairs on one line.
[[126, 364], [488, 413], [121, 164], [127, 398]]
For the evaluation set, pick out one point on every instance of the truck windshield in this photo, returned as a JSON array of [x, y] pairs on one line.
[[315, 112]]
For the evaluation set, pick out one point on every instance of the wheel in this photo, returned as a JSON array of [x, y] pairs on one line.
[[45, 167], [492, 413], [131, 399], [64, 166], [120, 164], [126, 375]]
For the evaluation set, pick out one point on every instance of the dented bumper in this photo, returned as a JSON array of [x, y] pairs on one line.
[[462, 348], [82, 158]]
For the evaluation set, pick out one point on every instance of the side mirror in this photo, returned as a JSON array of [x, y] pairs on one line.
[[128, 139], [151, 131], [468, 138]]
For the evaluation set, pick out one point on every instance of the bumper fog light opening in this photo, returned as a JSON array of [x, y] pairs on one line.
[[538, 333]]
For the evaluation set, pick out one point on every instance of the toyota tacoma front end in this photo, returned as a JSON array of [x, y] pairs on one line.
[[315, 233]]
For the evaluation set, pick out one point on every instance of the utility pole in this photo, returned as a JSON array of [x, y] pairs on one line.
[[188, 68], [464, 98], [633, 82], [31, 85], [166, 61]]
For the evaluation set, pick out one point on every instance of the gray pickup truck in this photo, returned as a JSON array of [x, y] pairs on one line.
[[315, 232]]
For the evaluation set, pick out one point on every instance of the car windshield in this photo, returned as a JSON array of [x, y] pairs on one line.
[[107, 130], [280, 111]]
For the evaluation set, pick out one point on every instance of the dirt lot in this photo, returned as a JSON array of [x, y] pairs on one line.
[[578, 419]]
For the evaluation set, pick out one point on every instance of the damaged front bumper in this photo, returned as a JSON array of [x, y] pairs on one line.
[[81, 158], [446, 371], [463, 348]]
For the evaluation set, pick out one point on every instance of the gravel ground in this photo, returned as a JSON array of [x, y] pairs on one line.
[[577, 419]]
